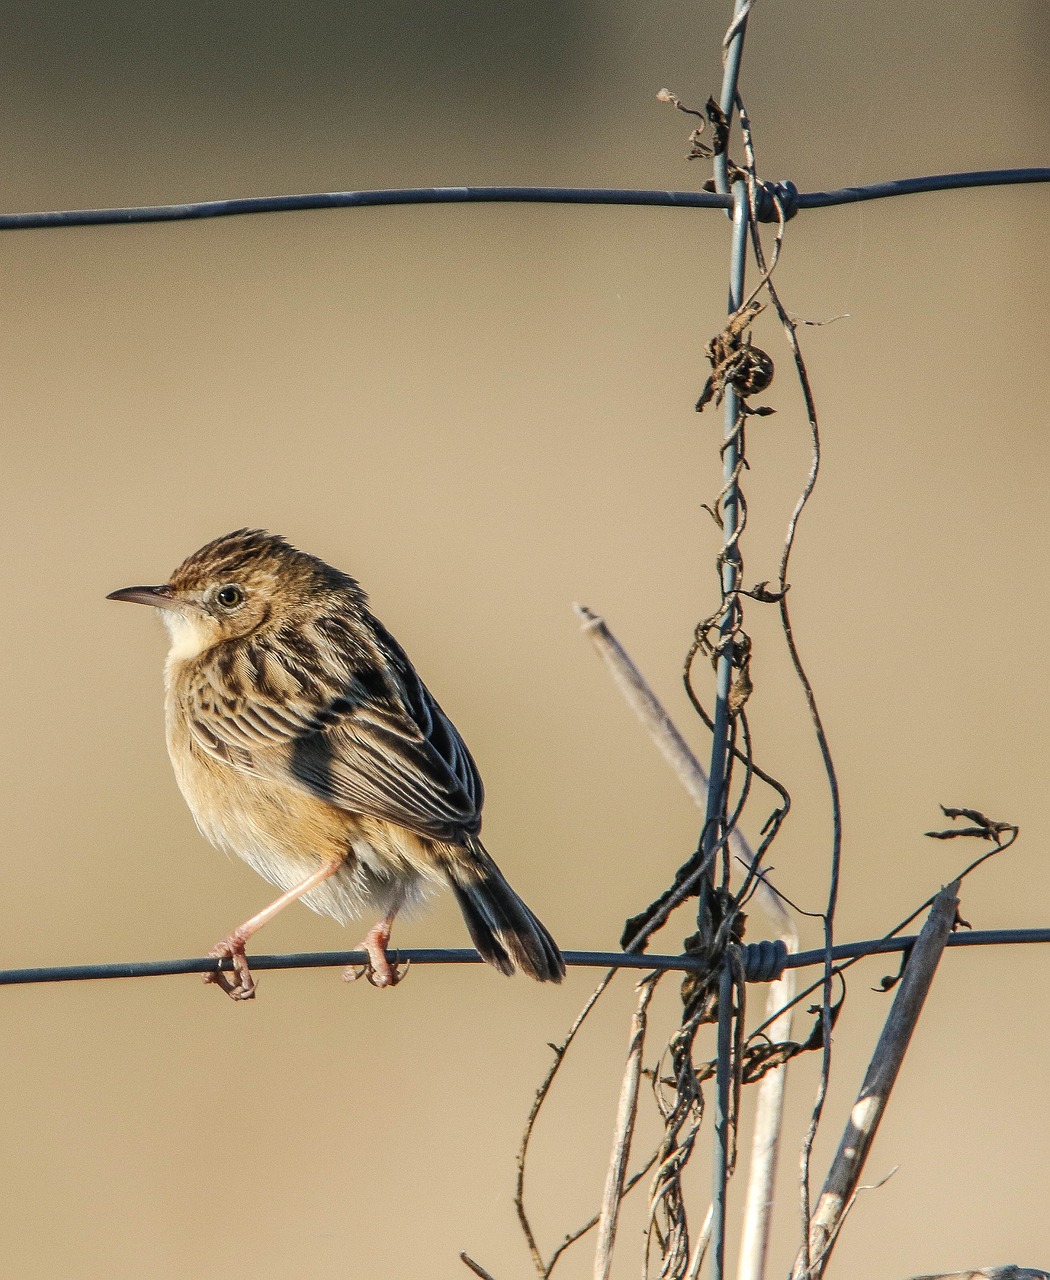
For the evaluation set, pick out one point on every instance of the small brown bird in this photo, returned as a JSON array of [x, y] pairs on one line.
[[304, 742]]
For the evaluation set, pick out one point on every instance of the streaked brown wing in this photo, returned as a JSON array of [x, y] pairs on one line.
[[357, 728]]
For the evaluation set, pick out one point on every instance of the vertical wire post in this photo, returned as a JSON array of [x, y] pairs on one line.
[[730, 504], [732, 54], [730, 569], [730, 558], [730, 501]]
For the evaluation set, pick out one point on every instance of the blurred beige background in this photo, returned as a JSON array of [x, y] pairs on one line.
[[486, 413]]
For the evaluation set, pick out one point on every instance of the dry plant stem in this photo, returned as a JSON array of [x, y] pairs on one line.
[[700, 1248], [765, 1143], [641, 698], [621, 1148], [825, 752], [730, 1018], [867, 1112], [646, 706]]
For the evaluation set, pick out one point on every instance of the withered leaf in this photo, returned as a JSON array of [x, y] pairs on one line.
[[816, 1036]]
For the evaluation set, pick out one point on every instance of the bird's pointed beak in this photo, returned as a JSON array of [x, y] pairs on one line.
[[159, 597]]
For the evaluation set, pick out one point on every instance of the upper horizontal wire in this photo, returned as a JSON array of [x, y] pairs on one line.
[[574, 959], [496, 195]]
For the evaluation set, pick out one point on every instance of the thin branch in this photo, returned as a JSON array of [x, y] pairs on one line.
[[647, 707], [542, 1268], [841, 1221]]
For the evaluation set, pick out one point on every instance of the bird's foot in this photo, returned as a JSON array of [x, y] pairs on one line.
[[379, 971], [383, 975], [240, 985]]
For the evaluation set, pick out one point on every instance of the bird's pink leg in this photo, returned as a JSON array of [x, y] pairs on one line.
[[242, 987], [379, 971]]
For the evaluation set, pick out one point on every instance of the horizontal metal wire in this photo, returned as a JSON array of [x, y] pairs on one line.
[[359, 199], [881, 946], [509, 195], [917, 186], [574, 959], [325, 960]]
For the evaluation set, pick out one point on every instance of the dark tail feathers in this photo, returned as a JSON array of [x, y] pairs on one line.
[[503, 929]]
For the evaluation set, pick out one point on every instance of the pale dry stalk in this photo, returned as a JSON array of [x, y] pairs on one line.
[[844, 1175], [700, 1247], [765, 1142], [626, 1113]]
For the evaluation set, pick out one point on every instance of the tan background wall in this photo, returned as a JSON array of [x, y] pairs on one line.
[[486, 413]]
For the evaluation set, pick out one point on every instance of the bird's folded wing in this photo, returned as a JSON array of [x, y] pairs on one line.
[[367, 737]]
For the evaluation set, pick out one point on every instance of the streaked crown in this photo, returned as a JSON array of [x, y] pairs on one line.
[[264, 559]]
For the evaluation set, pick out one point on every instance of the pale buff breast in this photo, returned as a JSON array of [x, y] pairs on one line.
[[284, 833]]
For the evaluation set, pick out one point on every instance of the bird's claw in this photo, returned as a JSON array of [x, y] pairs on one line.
[[378, 970], [241, 986]]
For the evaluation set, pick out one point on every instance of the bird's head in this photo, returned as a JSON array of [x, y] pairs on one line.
[[237, 585]]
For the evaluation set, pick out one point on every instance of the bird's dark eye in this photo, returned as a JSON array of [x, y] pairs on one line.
[[229, 597]]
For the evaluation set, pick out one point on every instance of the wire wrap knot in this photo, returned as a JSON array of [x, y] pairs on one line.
[[768, 195], [765, 961]]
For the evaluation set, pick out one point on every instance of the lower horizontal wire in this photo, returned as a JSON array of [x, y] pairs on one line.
[[325, 960], [575, 959]]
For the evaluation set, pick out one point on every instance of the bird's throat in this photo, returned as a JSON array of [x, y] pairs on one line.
[[190, 635]]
